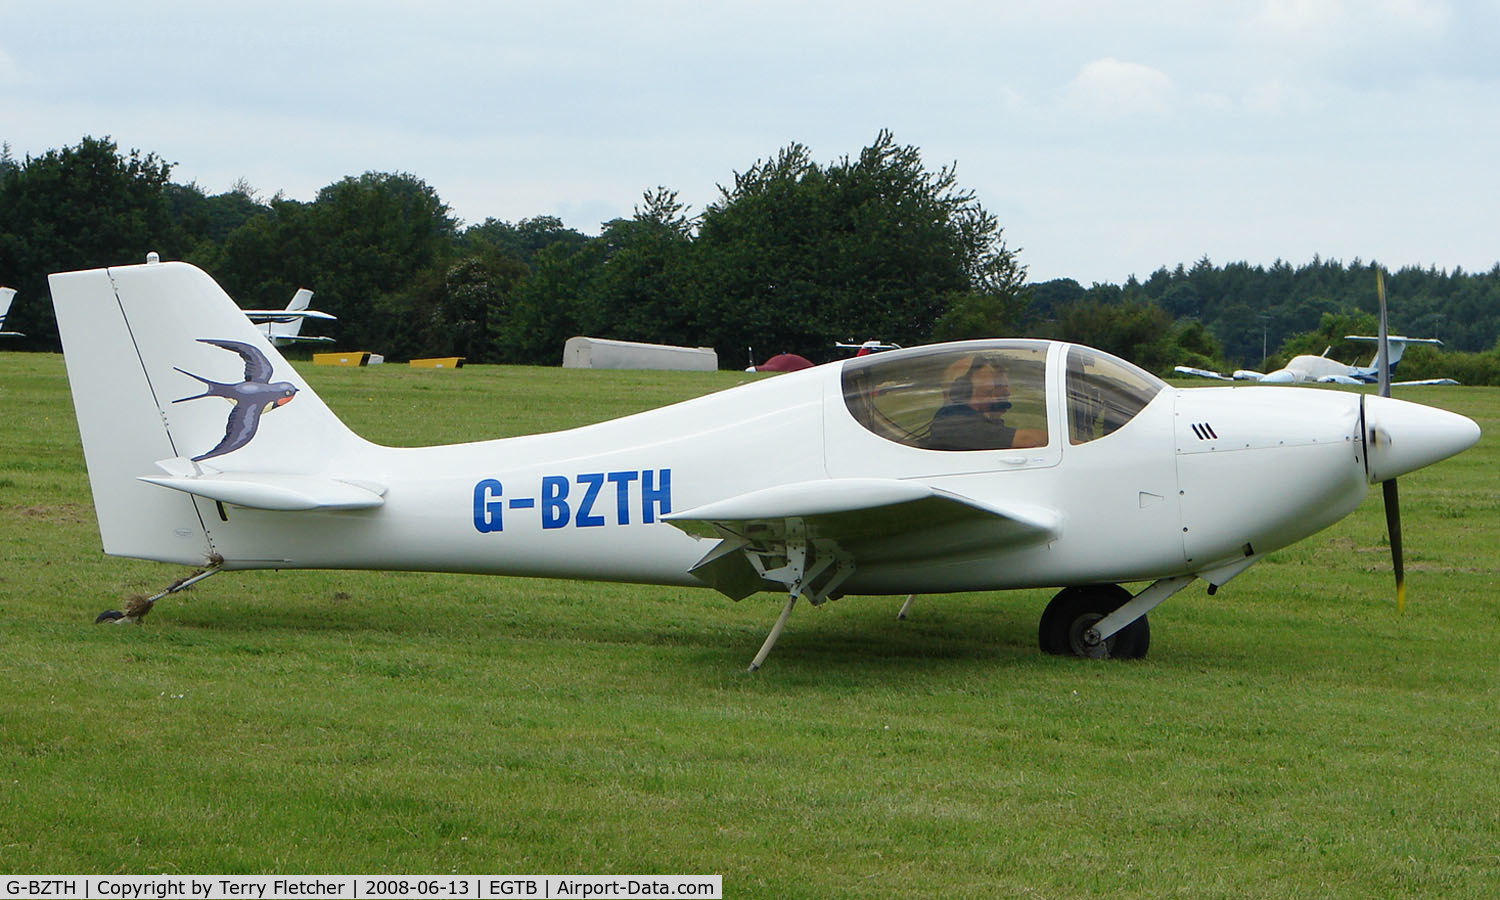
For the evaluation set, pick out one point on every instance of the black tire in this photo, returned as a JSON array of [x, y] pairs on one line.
[[109, 615], [1132, 641], [1075, 609]]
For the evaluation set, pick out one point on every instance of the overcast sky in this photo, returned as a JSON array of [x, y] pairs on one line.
[[1110, 139]]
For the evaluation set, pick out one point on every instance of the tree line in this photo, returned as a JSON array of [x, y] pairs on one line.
[[792, 256]]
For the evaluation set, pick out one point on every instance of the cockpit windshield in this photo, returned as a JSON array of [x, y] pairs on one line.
[[989, 396], [1104, 392]]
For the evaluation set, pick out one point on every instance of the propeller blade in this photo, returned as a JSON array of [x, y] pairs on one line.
[[1393, 527], [1383, 354], [1392, 498]]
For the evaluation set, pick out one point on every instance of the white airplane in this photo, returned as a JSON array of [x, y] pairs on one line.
[[982, 465], [6, 296], [284, 326], [1308, 369]]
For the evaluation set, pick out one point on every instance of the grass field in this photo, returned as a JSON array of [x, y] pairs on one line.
[[1290, 737]]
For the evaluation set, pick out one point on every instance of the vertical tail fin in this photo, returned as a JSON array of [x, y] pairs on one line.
[[7, 295], [138, 339]]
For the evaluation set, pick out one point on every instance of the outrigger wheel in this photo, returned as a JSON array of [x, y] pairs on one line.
[[1074, 610]]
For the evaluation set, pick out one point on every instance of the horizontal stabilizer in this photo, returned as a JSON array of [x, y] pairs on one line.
[[1394, 339], [266, 490]]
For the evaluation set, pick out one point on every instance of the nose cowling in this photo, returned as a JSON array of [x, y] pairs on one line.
[[1402, 437]]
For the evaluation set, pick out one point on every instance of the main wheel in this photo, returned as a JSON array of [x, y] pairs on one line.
[[1075, 610]]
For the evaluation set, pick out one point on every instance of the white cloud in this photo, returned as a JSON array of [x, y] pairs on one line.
[[11, 73], [1114, 88], [1429, 15], [1300, 19], [1319, 19], [1277, 96], [1340, 31]]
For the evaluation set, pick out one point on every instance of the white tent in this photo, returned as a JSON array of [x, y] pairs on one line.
[[598, 353]]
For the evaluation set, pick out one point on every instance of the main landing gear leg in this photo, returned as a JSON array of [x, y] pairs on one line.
[[765, 649], [137, 607], [1103, 621], [1139, 605], [812, 567]]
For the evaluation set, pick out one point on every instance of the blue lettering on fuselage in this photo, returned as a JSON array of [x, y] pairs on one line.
[[586, 517], [487, 506], [554, 501], [577, 501]]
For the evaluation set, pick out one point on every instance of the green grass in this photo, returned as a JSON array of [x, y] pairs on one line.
[[1290, 737]]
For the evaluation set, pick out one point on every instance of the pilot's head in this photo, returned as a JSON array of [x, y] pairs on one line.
[[980, 383]]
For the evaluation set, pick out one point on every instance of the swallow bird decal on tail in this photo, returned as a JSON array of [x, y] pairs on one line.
[[256, 395]]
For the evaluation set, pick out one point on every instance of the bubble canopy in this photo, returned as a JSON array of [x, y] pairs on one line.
[[991, 395]]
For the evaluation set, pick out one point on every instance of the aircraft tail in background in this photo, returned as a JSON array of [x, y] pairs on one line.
[[6, 296], [284, 326]]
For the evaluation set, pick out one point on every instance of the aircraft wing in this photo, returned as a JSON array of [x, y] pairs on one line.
[[1201, 373], [1425, 381], [286, 315], [844, 523]]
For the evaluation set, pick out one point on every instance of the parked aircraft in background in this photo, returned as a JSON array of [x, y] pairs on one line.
[[6, 296], [1309, 369], [974, 466], [867, 347], [284, 326]]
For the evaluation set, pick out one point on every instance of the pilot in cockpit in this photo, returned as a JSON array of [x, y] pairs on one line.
[[975, 399]]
